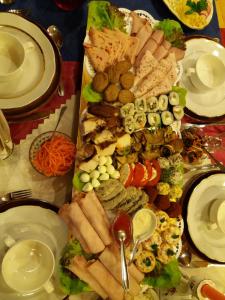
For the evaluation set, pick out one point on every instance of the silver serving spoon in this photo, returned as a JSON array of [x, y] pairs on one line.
[[125, 280], [57, 38], [217, 163]]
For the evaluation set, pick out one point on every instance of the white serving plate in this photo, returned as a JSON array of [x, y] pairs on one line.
[[209, 242]]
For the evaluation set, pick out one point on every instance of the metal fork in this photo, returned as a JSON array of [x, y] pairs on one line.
[[17, 195]]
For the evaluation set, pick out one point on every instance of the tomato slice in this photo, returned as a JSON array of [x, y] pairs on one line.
[[149, 168], [156, 166], [139, 174]]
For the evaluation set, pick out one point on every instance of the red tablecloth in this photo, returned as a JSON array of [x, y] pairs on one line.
[[71, 76]]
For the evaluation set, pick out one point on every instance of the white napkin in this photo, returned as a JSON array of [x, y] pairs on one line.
[[6, 145]]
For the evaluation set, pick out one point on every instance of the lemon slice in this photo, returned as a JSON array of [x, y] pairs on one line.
[[194, 20]]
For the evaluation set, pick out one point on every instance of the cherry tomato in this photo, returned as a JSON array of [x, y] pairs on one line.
[[155, 180]]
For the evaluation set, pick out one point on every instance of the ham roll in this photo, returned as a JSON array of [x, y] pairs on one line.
[[87, 232], [106, 280], [95, 216], [112, 263], [78, 266]]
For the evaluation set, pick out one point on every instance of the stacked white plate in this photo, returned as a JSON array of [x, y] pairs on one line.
[[41, 68]]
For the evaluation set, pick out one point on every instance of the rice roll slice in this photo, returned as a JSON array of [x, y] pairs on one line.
[[178, 112], [129, 124], [167, 117], [140, 120], [174, 98], [127, 110], [154, 119], [152, 104], [163, 102], [140, 105]]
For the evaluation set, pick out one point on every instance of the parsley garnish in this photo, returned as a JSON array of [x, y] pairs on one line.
[[196, 6]]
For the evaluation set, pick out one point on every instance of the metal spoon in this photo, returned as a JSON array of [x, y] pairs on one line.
[[125, 280], [56, 36], [62, 111], [217, 163], [185, 258], [134, 251], [20, 12]]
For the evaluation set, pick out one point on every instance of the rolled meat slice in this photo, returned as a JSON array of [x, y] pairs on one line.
[[100, 207], [106, 280], [179, 53], [151, 46], [137, 23], [78, 266], [95, 217], [143, 35], [89, 235], [158, 36], [160, 52], [112, 263]]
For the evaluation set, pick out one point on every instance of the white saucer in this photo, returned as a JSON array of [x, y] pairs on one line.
[[18, 24], [32, 73], [210, 103], [24, 222], [209, 242]]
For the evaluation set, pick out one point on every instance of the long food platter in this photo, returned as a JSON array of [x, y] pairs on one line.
[[129, 149]]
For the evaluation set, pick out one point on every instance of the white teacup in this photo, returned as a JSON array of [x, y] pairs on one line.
[[12, 56], [28, 266], [217, 215], [209, 72]]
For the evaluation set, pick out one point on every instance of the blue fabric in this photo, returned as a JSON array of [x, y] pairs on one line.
[[73, 24]]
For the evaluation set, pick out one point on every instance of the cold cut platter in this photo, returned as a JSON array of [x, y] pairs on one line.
[[129, 160]]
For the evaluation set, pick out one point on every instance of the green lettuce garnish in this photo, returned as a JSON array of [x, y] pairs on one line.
[[164, 276], [77, 184], [173, 32], [70, 284], [182, 92], [90, 95], [101, 14]]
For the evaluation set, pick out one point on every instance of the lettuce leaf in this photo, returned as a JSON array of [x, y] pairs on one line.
[[173, 32], [90, 95], [182, 92], [70, 284], [101, 14], [78, 185], [168, 276]]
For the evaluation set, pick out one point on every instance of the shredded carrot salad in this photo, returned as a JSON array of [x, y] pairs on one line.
[[55, 156]]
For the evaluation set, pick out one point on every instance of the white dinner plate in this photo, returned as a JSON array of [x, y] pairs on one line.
[[209, 242], [210, 103], [33, 69], [26, 222], [15, 23]]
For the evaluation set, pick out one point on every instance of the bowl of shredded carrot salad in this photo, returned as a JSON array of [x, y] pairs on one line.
[[52, 154]]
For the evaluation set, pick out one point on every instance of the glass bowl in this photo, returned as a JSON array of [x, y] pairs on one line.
[[36, 145]]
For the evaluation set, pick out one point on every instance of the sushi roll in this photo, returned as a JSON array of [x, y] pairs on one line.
[[174, 98], [127, 110], [163, 102], [154, 119], [167, 117], [139, 120], [152, 104], [178, 112], [140, 105], [129, 124]]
